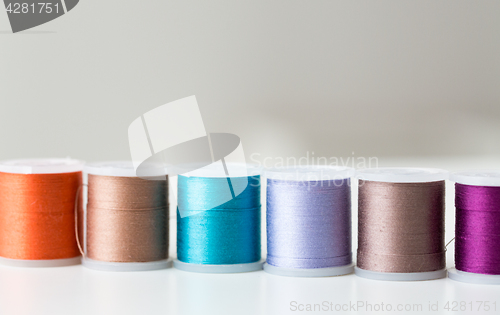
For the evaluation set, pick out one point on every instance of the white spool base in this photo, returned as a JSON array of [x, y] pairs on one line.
[[400, 276], [40, 263], [316, 272], [470, 277], [233, 268], [126, 266]]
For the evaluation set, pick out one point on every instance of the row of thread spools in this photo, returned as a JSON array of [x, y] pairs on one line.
[[124, 226]]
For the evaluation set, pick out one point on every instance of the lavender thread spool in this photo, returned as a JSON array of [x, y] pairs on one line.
[[478, 228], [309, 221]]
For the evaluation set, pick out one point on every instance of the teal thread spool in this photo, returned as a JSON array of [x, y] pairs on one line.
[[219, 224]]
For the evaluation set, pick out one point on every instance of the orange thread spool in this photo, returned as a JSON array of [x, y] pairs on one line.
[[37, 219]]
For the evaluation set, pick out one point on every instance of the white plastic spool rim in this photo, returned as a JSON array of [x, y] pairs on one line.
[[402, 175], [400, 276], [41, 166], [470, 277], [126, 266], [315, 272], [477, 178], [111, 168], [232, 268], [218, 170], [310, 173]]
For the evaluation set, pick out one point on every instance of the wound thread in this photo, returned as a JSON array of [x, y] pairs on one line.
[[401, 226], [222, 235], [36, 215], [477, 230], [127, 219], [308, 223]]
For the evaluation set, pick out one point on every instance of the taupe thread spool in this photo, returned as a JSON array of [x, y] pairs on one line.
[[401, 224], [126, 219]]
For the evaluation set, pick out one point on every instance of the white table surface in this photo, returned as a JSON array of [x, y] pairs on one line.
[[77, 290]]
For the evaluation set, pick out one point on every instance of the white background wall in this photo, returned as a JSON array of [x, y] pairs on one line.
[[377, 78]]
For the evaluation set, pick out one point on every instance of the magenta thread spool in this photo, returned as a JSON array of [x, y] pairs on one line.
[[477, 227]]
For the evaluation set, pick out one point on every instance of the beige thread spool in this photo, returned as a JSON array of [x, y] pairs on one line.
[[126, 219]]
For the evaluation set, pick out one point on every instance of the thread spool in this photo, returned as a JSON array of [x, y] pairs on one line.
[[309, 221], [401, 224], [477, 230], [218, 220], [126, 220], [37, 219]]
